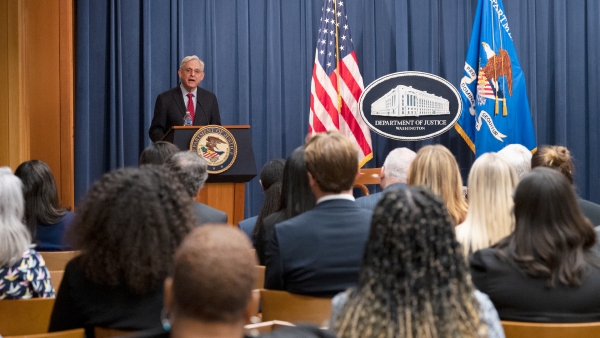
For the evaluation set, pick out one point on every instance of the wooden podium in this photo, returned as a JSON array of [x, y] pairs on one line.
[[224, 191]]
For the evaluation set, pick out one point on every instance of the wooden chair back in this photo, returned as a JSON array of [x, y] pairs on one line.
[[254, 330], [367, 176], [57, 260], [56, 278], [282, 305], [77, 333], [103, 332], [551, 330], [259, 283], [25, 316]]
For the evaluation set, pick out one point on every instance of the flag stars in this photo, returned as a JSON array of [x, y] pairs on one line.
[[339, 13], [328, 64], [341, 47], [343, 37], [346, 27], [341, 3], [322, 52]]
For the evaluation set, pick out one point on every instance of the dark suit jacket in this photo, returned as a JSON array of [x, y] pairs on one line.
[[247, 226], [206, 214], [318, 253], [170, 109], [519, 297], [370, 201]]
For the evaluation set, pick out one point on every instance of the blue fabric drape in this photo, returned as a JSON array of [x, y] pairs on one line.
[[259, 57]]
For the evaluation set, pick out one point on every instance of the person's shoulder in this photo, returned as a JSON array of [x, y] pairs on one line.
[[483, 258], [204, 92]]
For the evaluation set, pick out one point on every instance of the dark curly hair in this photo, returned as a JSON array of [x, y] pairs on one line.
[[414, 280], [129, 226]]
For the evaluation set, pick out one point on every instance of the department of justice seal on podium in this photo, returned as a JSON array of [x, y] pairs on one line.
[[217, 146]]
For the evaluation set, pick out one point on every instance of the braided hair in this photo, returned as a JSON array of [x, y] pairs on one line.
[[414, 281]]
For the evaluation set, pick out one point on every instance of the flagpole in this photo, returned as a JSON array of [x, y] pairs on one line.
[[337, 60]]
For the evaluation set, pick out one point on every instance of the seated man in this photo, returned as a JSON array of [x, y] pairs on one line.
[[191, 169], [394, 175], [318, 253]]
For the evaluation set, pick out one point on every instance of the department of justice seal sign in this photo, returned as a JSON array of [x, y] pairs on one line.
[[217, 146]]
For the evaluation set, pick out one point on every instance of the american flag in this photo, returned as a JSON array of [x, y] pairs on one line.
[[334, 45]]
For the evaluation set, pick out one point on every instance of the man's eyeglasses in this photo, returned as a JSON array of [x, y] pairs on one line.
[[190, 71]]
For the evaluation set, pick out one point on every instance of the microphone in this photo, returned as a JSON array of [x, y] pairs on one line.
[[203, 112]]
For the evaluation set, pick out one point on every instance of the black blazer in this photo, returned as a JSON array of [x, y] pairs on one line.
[[519, 297], [318, 253], [169, 111]]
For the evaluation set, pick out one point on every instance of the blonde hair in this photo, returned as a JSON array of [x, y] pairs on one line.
[[14, 235], [435, 167], [492, 181], [555, 157], [332, 160]]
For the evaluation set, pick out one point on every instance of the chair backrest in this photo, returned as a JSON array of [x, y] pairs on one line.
[[551, 330], [259, 282], [367, 176], [25, 316], [56, 278], [57, 260], [282, 305], [103, 332], [76, 333], [254, 329]]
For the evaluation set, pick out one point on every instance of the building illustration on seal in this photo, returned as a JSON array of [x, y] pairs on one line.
[[406, 101]]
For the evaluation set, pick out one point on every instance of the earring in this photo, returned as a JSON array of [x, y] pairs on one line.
[[164, 319]]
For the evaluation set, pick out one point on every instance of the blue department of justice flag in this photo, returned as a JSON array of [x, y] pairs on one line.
[[495, 106]]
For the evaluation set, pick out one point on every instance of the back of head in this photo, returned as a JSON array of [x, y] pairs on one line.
[[518, 156], [14, 236], [129, 225], [551, 234], [492, 181], [296, 196], [41, 194], [332, 160], [191, 170], [414, 281], [435, 167], [158, 152], [272, 172], [213, 276], [555, 157], [397, 163]]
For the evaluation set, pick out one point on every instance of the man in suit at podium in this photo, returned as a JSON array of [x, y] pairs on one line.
[[191, 170], [318, 253], [172, 105]]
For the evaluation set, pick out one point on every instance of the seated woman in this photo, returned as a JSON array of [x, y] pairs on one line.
[[489, 218], [127, 244], [544, 271], [435, 168], [44, 216], [23, 273], [414, 281], [296, 198]]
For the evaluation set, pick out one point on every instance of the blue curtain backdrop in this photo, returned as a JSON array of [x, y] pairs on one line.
[[259, 56]]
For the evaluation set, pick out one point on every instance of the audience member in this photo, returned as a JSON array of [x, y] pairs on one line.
[[201, 301], [158, 153], [296, 198], [394, 175], [414, 281], [191, 170], [44, 216], [23, 272], [127, 229], [518, 156], [271, 175], [435, 167], [544, 271], [492, 181], [559, 158], [318, 252]]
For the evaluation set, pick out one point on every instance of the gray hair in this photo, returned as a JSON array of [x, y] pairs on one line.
[[14, 235], [190, 168], [518, 156], [190, 58], [397, 163]]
